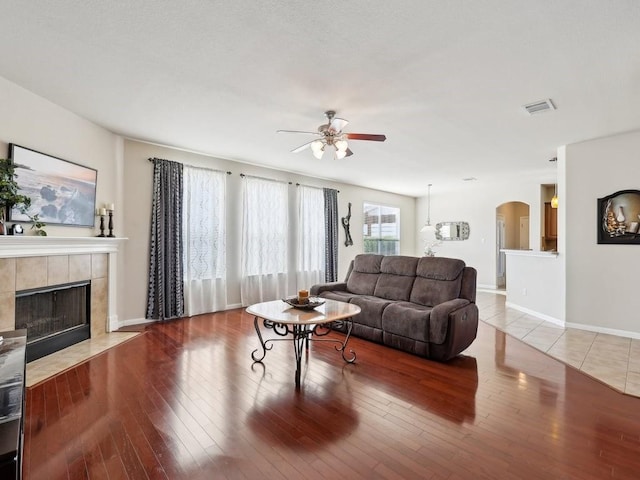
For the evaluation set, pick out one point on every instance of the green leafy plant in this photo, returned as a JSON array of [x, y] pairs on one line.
[[37, 225], [10, 198]]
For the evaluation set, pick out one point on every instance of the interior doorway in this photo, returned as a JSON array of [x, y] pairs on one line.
[[501, 266], [512, 233], [524, 233]]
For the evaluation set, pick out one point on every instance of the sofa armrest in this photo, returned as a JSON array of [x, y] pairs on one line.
[[328, 287], [439, 319]]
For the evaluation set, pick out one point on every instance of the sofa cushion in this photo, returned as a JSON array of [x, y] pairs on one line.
[[365, 273], [438, 280], [337, 295], [367, 263], [440, 268], [371, 309], [407, 320], [396, 280], [399, 265]]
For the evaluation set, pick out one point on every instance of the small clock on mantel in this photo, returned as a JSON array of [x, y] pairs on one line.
[[16, 229]]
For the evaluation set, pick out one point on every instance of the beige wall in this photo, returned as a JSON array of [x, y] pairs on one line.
[[33, 122], [137, 198]]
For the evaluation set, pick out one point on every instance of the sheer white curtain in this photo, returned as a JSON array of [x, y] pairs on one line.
[[205, 288], [310, 267], [265, 229]]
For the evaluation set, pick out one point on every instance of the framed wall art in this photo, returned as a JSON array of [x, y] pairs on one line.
[[61, 192], [619, 218]]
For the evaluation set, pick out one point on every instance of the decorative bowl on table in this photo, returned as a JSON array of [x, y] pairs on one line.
[[310, 305]]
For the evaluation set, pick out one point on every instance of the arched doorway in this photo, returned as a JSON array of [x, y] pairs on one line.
[[512, 233]]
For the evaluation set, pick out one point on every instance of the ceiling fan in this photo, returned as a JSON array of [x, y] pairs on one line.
[[331, 134]]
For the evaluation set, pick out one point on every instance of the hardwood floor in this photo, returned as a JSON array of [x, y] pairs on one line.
[[184, 401]]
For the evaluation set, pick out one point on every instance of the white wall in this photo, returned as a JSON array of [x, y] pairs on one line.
[[535, 284], [137, 196], [602, 280], [476, 203]]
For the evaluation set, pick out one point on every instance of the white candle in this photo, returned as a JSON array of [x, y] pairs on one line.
[[110, 207], [103, 211]]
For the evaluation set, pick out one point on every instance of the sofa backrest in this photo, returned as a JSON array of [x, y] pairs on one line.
[[438, 280], [423, 280], [397, 274], [364, 275]]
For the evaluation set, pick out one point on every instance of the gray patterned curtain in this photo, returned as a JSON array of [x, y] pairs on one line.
[[331, 235], [165, 298]]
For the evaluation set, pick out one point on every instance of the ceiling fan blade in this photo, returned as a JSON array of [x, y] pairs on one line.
[[298, 131], [337, 124], [366, 136], [302, 147]]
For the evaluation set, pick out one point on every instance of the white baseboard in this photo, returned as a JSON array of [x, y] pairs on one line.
[[114, 324], [577, 326], [607, 331], [533, 313]]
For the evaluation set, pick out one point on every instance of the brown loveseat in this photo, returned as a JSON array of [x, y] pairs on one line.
[[425, 306]]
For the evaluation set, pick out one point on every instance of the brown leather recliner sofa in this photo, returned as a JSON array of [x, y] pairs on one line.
[[422, 305]]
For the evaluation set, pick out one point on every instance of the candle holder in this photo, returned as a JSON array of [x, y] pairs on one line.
[[111, 235], [101, 226]]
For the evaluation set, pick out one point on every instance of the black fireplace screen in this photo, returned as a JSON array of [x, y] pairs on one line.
[[52, 310]]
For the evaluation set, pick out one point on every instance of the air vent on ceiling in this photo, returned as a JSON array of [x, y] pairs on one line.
[[540, 107]]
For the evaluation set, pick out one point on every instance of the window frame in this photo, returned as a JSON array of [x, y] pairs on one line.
[[380, 239]]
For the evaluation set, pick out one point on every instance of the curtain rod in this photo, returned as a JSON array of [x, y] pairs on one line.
[[193, 166], [265, 178], [313, 186]]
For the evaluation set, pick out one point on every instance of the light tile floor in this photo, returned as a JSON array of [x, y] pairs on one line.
[[611, 359], [45, 367]]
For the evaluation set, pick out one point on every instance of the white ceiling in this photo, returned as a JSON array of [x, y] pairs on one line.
[[444, 80]]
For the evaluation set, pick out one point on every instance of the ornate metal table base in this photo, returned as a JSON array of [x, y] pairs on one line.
[[302, 334]]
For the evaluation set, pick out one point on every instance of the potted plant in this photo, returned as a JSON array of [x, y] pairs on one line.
[[10, 198]]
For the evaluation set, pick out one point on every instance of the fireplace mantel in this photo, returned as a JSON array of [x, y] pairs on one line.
[[34, 246], [18, 246]]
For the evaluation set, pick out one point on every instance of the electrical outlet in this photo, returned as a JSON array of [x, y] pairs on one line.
[[524, 292]]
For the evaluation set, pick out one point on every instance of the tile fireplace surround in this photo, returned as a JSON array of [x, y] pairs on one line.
[[33, 262]]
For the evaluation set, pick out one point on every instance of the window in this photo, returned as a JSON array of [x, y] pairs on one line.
[[203, 229], [265, 232], [381, 229], [311, 237]]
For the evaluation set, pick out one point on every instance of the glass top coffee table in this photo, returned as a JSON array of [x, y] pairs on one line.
[[303, 325]]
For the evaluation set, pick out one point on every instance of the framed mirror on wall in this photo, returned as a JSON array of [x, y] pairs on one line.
[[452, 231]]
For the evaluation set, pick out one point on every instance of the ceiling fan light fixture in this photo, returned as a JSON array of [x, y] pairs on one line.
[[340, 154], [341, 146], [331, 134], [317, 147]]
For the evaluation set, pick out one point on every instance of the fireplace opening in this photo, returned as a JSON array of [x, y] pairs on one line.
[[55, 317]]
